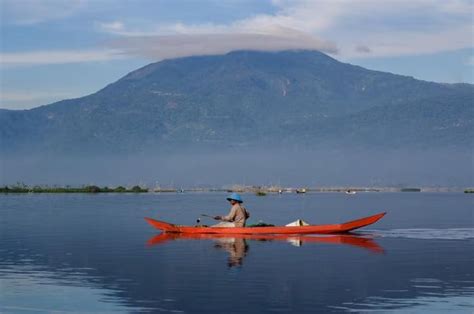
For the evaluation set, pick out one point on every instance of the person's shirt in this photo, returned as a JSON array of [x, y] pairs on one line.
[[238, 215]]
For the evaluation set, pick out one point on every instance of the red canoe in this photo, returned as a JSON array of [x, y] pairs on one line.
[[312, 229]]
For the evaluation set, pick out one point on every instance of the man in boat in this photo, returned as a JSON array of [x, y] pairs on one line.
[[237, 215]]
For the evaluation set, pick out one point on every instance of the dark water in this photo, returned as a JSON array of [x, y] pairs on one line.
[[90, 253]]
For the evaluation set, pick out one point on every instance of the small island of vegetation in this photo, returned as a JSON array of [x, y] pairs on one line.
[[410, 190], [21, 188]]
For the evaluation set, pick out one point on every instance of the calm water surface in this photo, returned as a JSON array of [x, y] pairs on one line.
[[95, 253]]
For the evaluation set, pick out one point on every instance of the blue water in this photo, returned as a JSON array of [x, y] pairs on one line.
[[90, 253]]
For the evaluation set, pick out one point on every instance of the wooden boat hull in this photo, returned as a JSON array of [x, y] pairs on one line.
[[311, 229]]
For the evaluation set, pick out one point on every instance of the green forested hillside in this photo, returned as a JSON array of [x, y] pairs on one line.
[[248, 98]]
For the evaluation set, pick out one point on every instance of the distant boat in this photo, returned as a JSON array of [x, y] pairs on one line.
[[300, 191], [350, 192]]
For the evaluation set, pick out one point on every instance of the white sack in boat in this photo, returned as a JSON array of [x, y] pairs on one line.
[[297, 223]]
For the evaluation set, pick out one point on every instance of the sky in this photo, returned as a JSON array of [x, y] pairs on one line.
[[57, 49]]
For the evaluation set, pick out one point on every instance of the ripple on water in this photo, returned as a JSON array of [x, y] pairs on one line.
[[427, 234], [424, 304], [63, 293]]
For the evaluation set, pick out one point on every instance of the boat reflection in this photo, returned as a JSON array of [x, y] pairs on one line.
[[236, 244]]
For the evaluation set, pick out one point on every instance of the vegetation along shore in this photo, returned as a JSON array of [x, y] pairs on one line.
[[69, 189], [257, 190]]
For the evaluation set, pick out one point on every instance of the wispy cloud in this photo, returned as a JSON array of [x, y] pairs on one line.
[[362, 49], [179, 40], [389, 28], [366, 28], [112, 27], [172, 46], [27, 12], [58, 57], [470, 61]]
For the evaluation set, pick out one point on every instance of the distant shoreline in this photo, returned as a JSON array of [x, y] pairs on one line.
[[258, 190]]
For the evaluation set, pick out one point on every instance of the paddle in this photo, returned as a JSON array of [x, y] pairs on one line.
[[205, 215]]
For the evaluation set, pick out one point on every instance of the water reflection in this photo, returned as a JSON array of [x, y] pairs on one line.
[[237, 244], [236, 247], [90, 257]]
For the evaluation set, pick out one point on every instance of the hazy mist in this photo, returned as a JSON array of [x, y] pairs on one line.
[[326, 167]]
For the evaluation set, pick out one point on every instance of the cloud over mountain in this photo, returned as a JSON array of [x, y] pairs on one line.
[[390, 28], [183, 45]]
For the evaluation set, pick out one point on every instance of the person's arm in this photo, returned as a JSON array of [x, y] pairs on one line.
[[231, 216]]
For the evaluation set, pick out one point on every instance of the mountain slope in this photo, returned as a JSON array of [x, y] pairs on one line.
[[248, 98]]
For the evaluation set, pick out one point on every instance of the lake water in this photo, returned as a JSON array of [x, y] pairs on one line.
[[96, 253]]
